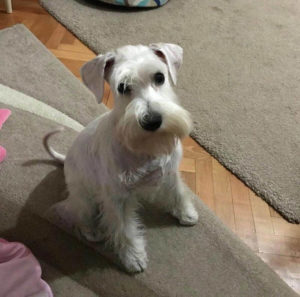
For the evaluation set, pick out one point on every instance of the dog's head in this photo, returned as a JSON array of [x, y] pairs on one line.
[[149, 118]]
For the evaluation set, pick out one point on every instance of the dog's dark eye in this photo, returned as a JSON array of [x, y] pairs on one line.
[[159, 78], [124, 89]]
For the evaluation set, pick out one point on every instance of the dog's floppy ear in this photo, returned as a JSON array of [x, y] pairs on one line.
[[94, 72], [171, 54]]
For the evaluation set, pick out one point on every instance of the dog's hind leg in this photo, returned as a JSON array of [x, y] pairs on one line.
[[83, 208]]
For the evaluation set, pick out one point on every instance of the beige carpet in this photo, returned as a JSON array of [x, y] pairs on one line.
[[206, 260], [240, 78]]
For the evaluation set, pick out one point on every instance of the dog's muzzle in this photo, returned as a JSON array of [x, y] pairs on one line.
[[151, 121]]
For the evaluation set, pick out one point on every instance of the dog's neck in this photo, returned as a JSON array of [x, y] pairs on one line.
[[128, 159], [138, 169]]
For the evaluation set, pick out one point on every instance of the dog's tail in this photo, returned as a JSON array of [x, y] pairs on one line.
[[57, 156]]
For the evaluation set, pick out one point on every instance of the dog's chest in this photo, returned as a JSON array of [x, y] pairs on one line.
[[151, 173], [140, 170]]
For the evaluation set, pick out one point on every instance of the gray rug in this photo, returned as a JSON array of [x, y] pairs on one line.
[[240, 78], [206, 260]]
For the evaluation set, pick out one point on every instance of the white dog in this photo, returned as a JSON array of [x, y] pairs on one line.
[[131, 152]]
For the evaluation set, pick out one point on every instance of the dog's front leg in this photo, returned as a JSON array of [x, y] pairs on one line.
[[123, 233], [180, 200]]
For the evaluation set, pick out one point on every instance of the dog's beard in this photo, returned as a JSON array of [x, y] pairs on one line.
[[176, 125], [153, 144]]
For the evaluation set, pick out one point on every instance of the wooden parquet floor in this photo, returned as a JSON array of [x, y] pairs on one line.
[[273, 239]]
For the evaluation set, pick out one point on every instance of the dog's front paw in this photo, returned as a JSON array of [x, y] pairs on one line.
[[187, 216], [88, 233], [189, 219], [133, 260]]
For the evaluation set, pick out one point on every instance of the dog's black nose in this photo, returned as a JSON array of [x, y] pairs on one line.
[[151, 121]]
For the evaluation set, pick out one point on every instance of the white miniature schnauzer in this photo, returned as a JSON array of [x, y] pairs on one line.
[[131, 152]]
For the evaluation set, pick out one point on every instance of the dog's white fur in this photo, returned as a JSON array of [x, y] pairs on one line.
[[114, 162]]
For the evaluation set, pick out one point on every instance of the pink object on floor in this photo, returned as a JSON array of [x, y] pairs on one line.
[[2, 153], [20, 272], [4, 114]]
